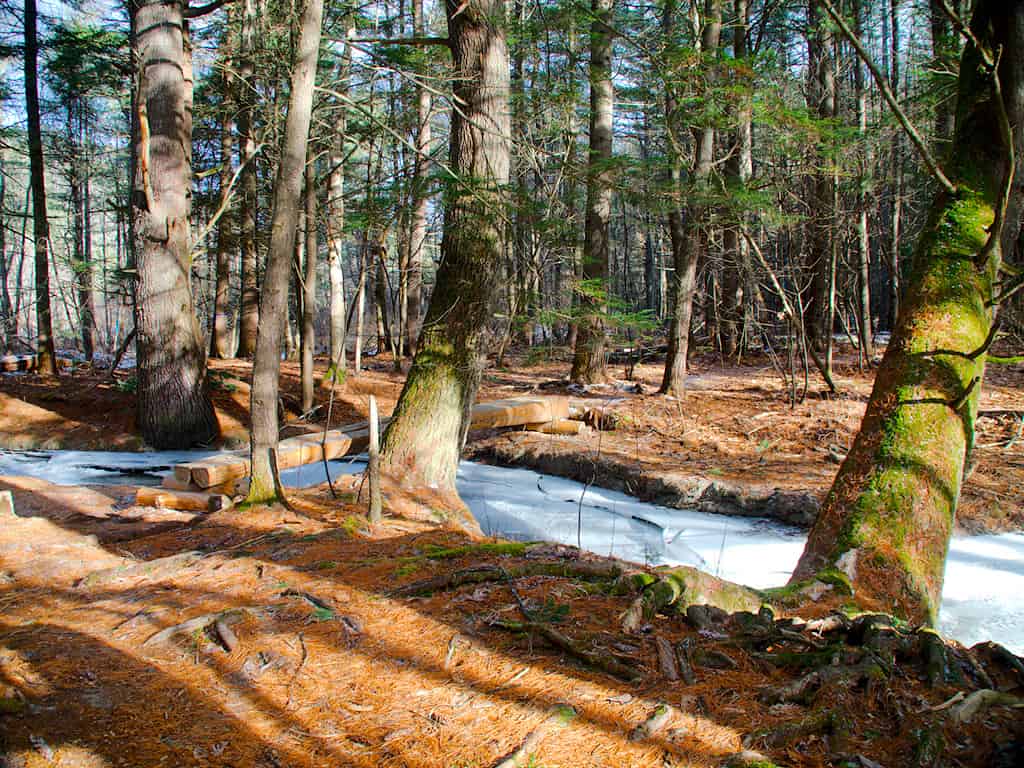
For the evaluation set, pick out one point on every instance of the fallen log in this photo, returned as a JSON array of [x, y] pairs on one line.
[[166, 498]]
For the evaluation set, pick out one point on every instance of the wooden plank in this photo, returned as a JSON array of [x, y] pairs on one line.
[[165, 498]]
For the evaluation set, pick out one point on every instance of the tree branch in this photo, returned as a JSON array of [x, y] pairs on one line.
[[202, 10], [418, 41]]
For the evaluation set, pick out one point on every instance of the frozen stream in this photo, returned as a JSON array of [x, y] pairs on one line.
[[984, 588]]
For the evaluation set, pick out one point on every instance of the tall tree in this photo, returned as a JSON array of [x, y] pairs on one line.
[[739, 167], [588, 364], [420, 196], [307, 341], [220, 335], [249, 314], [46, 355], [886, 522], [284, 222], [821, 100], [431, 420], [688, 231], [174, 409]]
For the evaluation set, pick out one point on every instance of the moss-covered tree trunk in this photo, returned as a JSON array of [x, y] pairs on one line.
[[430, 422], [887, 519]]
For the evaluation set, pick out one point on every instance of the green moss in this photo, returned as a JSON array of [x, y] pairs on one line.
[[406, 569], [485, 548]]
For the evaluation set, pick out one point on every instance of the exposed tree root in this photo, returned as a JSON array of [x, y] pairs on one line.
[[230, 616], [600, 660], [679, 588], [580, 569]]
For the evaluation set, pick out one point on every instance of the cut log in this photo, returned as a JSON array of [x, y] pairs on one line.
[[165, 498], [173, 483], [558, 427], [518, 411], [6, 504]]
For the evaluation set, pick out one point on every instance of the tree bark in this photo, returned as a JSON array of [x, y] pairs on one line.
[[307, 341], [588, 365], [285, 217], [249, 313], [174, 410], [423, 442], [420, 197], [688, 232], [336, 231], [738, 170], [221, 337], [886, 522], [46, 363], [865, 326], [821, 100]]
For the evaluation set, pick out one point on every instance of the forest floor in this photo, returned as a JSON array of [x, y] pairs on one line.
[[111, 652], [734, 444], [271, 637]]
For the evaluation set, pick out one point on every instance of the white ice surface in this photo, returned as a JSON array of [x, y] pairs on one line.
[[984, 588]]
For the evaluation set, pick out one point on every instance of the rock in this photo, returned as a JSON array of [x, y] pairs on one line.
[[705, 616]]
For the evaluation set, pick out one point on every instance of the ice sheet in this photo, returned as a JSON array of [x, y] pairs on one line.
[[984, 589]]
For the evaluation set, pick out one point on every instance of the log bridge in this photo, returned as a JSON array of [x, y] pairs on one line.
[[211, 484]]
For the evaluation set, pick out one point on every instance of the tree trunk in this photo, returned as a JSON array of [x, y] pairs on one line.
[[423, 442], [308, 338], [944, 50], [886, 521], [821, 100], [364, 247], [738, 170], [336, 235], [46, 364], [221, 337], [688, 233], [865, 327], [249, 312], [174, 410], [285, 217], [588, 365], [420, 196]]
